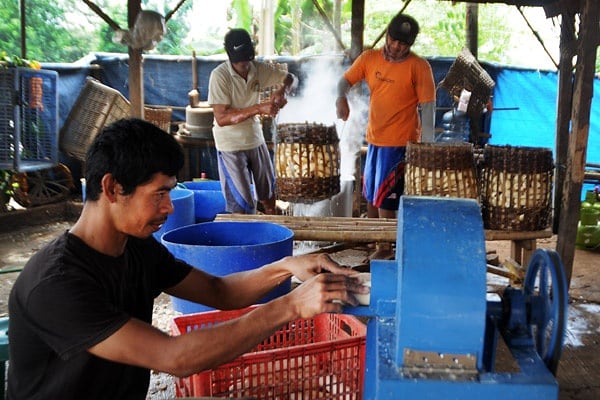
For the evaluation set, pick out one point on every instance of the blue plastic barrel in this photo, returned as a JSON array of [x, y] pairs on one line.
[[183, 211], [208, 199], [224, 247]]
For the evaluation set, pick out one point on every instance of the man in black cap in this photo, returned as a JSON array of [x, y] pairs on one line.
[[233, 93], [400, 82]]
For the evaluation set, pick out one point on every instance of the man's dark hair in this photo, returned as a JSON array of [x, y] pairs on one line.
[[132, 150]]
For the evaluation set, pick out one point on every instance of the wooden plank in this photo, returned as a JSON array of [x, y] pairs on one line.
[[582, 102]]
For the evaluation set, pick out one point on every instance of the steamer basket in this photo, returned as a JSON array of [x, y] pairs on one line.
[[307, 162], [516, 188], [159, 116], [97, 105], [441, 170], [466, 73]]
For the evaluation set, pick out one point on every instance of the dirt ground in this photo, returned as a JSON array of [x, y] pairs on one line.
[[579, 368]]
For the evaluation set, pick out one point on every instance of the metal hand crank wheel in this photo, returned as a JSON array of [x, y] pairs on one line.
[[545, 287]]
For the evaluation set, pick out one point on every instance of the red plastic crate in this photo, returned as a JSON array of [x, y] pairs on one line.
[[317, 358]]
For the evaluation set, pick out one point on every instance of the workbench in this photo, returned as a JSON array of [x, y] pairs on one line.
[[368, 230]]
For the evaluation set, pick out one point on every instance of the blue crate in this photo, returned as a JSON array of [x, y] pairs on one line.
[[28, 119]]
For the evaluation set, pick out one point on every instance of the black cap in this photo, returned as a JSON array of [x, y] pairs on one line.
[[239, 46], [403, 28]]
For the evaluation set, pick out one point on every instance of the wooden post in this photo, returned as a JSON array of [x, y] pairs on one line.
[[564, 106], [582, 101], [136, 70], [357, 27], [472, 27]]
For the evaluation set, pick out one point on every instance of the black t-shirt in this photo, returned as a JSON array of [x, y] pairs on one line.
[[70, 297]]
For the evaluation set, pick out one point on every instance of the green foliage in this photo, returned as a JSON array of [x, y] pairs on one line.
[[48, 35], [66, 30], [241, 15], [7, 188]]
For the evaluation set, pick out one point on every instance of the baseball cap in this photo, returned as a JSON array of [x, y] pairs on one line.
[[239, 46], [403, 28]]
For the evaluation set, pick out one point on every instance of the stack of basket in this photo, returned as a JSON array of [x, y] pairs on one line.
[[441, 169], [516, 188], [307, 162], [512, 183]]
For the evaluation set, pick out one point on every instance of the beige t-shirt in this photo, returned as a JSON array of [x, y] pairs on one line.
[[226, 87]]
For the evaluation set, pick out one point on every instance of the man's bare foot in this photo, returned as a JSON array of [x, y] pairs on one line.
[[383, 251]]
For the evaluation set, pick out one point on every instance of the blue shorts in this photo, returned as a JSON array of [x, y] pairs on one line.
[[383, 176], [246, 175]]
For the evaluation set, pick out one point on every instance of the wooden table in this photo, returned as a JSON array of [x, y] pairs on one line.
[[367, 230], [189, 143]]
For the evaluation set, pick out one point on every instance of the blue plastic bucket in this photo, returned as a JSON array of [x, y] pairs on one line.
[[203, 185], [224, 247], [183, 211], [208, 199]]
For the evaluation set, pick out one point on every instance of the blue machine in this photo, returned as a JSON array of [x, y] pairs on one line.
[[432, 333]]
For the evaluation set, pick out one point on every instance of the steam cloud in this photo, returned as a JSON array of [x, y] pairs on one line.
[[316, 104]]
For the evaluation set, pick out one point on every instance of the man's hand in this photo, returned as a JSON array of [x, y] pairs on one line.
[[269, 108], [342, 108], [324, 293], [306, 266]]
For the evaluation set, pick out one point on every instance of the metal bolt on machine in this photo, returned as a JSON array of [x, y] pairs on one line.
[[433, 331]]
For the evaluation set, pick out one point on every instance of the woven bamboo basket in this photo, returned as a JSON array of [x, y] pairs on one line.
[[466, 73], [159, 116], [441, 170], [97, 105], [307, 162], [516, 188]]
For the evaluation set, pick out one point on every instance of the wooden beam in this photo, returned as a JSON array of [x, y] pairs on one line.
[[325, 18], [357, 27], [382, 34], [537, 36], [472, 27], [582, 100], [136, 69], [525, 3], [564, 103], [102, 15]]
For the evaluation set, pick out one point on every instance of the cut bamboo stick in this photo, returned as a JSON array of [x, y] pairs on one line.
[[358, 230]]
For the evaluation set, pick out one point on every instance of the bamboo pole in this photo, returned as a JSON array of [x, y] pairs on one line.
[[359, 230]]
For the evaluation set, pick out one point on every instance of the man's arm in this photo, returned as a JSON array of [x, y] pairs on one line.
[[227, 115], [341, 103], [138, 343], [290, 83], [428, 122]]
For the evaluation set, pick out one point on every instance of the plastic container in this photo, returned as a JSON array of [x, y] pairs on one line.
[[224, 247], [320, 357], [208, 199], [183, 212]]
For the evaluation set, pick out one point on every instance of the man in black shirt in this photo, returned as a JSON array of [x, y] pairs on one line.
[[81, 309]]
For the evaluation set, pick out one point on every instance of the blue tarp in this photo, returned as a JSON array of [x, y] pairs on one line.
[[524, 100]]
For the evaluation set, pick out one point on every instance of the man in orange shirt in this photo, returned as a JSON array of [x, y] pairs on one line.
[[400, 82]]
